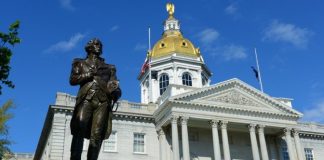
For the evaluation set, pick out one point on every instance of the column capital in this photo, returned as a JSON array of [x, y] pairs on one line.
[[286, 131], [184, 120], [260, 128], [174, 118], [295, 132], [252, 127], [214, 123], [223, 124], [161, 132]]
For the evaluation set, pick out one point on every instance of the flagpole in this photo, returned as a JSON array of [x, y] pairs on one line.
[[149, 66], [257, 62]]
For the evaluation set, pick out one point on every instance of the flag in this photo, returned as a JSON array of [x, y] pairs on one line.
[[146, 63], [256, 72]]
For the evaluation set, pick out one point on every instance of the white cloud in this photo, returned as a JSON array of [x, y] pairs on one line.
[[64, 46], [289, 33], [231, 9], [114, 28], [140, 47], [208, 36], [315, 113], [67, 4], [234, 52]]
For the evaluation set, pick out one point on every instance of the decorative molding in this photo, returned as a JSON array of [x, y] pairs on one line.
[[234, 97]]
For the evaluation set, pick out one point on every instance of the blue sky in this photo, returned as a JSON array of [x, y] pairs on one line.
[[289, 37]]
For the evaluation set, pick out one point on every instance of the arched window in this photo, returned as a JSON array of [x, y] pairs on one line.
[[164, 82], [204, 79], [186, 79]]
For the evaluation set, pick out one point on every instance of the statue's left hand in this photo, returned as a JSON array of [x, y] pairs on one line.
[[112, 85]]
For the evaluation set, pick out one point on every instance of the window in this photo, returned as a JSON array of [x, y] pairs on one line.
[[110, 145], [139, 143], [186, 79], [285, 153], [164, 82], [309, 153], [204, 79]]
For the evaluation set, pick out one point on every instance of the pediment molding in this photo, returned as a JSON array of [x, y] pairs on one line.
[[235, 92], [232, 97]]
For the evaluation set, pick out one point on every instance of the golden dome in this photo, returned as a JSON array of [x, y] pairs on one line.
[[173, 42]]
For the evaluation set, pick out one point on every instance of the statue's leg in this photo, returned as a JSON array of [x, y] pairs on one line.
[[98, 130], [80, 129], [76, 147]]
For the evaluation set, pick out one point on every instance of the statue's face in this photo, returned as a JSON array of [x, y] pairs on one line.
[[97, 47], [94, 46]]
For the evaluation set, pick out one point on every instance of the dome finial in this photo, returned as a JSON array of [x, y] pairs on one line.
[[170, 9]]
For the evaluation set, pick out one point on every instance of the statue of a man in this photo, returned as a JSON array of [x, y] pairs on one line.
[[99, 91]]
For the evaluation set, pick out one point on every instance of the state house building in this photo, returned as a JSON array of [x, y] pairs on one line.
[[183, 117]]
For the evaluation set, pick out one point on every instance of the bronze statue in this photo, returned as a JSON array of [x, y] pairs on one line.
[[99, 91]]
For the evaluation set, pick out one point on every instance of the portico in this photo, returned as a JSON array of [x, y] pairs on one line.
[[221, 145], [225, 123]]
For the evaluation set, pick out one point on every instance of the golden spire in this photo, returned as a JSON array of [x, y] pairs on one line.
[[170, 9]]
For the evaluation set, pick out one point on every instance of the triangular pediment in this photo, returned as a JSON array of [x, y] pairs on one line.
[[235, 94]]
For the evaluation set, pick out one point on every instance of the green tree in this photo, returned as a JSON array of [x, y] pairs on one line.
[[4, 117], [7, 40]]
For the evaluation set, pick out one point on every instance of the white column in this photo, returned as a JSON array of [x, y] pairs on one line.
[[227, 155], [254, 143], [162, 144], [175, 140], [263, 145], [214, 125], [185, 141], [287, 132], [300, 151]]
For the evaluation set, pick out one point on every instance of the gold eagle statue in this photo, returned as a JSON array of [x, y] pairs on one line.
[[170, 9]]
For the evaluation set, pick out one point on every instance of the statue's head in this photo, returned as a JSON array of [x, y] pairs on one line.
[[94, 46]]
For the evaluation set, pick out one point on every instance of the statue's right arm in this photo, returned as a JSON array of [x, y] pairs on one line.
[[78, 76]]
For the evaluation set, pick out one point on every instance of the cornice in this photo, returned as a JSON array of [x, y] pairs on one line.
[[258, 113]]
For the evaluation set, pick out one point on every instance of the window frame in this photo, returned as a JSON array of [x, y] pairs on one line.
[[144, 143], [162, 80], [186, 79], [311, 153]]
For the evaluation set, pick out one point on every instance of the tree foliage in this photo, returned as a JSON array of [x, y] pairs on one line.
[[7, 39], [4, 117]]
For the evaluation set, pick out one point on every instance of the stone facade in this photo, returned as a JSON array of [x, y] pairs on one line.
[[183, 117], [200, 135]]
